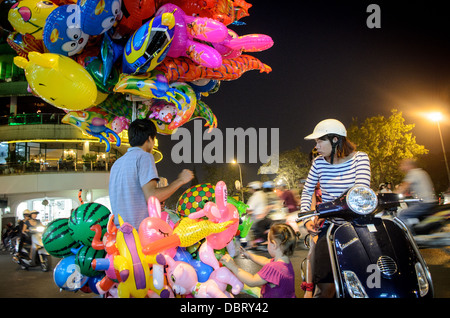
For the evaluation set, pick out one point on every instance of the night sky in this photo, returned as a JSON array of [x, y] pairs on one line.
[[328, 64]]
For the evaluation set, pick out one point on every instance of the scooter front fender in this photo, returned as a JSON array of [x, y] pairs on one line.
[[380, 253]]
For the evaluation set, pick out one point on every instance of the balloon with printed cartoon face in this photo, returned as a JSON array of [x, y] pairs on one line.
[[62, 31], [98, 16], [29, 16]]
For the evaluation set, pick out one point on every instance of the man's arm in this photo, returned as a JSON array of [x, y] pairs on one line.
[[163, 193]]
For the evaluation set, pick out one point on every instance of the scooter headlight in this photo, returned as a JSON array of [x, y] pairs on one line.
[[362, 200]]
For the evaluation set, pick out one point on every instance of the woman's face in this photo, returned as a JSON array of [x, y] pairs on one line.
[[323, 147]]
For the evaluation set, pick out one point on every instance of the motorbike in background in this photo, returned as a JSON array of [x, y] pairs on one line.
[[433, 229], [34, 254], [372, 252]]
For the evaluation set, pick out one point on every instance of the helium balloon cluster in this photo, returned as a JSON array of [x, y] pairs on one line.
[[97, 59], [169, 255]]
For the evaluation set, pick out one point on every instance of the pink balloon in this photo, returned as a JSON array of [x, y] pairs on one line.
[[153, 227], [228, 212]]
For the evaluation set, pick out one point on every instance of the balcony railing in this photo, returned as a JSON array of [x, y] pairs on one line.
[[54, 166], [32, 119]]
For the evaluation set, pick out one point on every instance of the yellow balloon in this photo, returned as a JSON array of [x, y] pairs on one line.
[[59, 80], [28, 16]]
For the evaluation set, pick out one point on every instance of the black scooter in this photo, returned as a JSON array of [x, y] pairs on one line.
[[34, 254], [372, 253]]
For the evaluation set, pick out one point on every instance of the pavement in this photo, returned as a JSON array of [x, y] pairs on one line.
[[33, 283]]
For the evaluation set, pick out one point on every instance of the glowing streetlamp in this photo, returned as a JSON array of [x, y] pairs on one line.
[[240, 178], [437, 117]]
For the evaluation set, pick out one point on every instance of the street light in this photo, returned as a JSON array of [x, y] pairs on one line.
[[240, 178], [437, 117]]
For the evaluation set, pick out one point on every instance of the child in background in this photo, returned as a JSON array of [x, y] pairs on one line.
[[276, 277]]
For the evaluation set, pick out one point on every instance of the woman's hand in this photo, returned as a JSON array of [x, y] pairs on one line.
[[313, 225]]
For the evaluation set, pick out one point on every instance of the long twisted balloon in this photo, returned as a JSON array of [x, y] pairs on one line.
[[187, 233]]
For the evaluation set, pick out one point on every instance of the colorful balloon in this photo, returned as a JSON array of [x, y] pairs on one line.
[[187, 233], [94, 122], [149, 44], [25, 43], [194, 198], [84, 217], [184, 281], [98, 16], [62, 33], [185, 70], [67, 276], [131, 264], [58, 80], [28, 16], [153, 227], [220, 212], [57, 239], [202, 269], [182, 43], [150, 85]]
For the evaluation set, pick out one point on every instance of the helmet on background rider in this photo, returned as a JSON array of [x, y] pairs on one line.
[[268, 185], [255, 185]]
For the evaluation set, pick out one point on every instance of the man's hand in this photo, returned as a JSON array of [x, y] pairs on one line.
[[185, 176]]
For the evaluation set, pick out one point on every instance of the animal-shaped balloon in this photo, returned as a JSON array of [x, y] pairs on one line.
[[225, 42], [183, 279], [131, 263], [202, 269], [219, 212], [182, 43], [106, 264], [185, 70], [98, 16], [93, 122], [149, 45], [187, 233], [25, 43], [62, 32], [58, 80], [151, 85], [28, 16], [152, 229]]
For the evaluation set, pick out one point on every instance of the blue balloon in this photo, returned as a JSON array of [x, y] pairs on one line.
[[62, 32], [67, 275], [147, 47], [203, 270], [98, 16]]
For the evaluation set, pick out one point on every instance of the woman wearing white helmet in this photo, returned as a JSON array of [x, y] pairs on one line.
[[337, 168]]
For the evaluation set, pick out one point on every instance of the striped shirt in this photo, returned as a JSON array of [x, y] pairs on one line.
[[335, 179]]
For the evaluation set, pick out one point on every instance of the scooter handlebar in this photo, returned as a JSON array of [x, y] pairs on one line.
[[305, 215]]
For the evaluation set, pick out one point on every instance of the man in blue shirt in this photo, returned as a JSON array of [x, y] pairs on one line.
[[134, 178]]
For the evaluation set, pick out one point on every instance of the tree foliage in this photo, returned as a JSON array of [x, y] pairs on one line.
[[386, 141], [293, 166]]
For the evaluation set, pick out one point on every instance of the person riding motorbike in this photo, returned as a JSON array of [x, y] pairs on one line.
[[29, 225], [23, 236], [417, 183], [266, 219], [338, 167]]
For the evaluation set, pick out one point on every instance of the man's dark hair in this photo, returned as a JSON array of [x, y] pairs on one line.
[[140, 130]]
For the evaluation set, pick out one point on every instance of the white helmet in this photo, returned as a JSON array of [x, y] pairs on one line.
[[328, 126]]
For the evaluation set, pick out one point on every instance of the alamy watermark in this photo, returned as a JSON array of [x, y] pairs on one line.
[[217, 146]]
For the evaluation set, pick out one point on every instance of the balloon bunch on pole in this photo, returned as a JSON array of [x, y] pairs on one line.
[[107, 62], [167, 256]]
